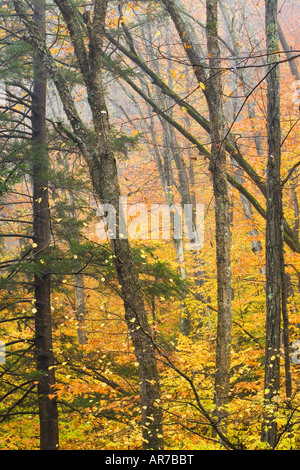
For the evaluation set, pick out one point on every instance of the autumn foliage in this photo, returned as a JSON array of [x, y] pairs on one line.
[[162, 148]]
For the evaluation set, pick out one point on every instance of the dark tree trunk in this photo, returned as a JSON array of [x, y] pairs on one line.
[[100, 160], [274, 229], [41, 227]]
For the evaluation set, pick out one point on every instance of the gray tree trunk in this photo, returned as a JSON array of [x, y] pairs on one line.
[[222, 210], [213, 95]]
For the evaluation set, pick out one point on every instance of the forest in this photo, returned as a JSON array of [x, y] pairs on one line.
[[149, 225]]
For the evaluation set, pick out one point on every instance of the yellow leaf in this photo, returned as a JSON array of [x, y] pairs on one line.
[[202, 86], [173, 73]]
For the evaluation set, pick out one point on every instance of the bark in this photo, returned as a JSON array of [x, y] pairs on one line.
[[274, 229], [222, 210], [103, 171], [41, 227]]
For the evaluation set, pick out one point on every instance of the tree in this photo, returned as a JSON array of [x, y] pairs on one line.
[[212, 89], [222, 209], [103, 171], [41, 238], [274, 223]]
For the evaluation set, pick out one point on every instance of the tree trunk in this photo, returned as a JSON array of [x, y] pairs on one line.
[[80, 308], [288, 53], [103, 171], [41, 227], [212, 89], [222, 210], [274, 229], [105, 181]]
